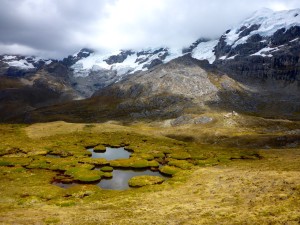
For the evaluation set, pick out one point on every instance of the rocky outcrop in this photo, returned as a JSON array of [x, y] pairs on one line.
[[165, 91], [193, 45], [264, 49], [253, 68], [119, 58], [47, 86], [72, 59]]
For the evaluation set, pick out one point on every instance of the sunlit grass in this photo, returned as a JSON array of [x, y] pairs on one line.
[[238, 170]]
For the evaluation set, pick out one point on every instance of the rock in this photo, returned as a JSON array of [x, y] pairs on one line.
[[119, 58], [153, 63], [72, 59], [203, 120], [185, 119], [231, 114]]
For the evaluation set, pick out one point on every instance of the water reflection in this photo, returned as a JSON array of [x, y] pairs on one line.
[[111, 153], [120, 178]]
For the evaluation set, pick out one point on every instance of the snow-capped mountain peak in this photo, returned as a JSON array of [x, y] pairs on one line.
[[262, 34], [24, 62], [124, 61], [265, 23]]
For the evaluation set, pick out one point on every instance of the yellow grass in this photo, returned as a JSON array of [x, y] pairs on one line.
[[238, 173]]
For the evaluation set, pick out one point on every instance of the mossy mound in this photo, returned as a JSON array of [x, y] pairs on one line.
[[48, 192], [169, 170], [142, 156], [39, 163], [37, 152], [61, 153], [107, 175], [96, 161], [14, 161], [207, 162], [85, 175], [99, 148], [140, 181], [133, 163], [182, 164], [180, 155], [158, 154], [66, 148], [85, 166], [80, 191], [61, 164], [107, 169]]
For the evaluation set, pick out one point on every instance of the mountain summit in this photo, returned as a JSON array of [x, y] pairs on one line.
[[251, 67]]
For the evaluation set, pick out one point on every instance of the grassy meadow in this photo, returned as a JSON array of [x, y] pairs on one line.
[[234, 170]]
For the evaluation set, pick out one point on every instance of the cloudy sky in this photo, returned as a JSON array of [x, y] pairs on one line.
[[56, 28]]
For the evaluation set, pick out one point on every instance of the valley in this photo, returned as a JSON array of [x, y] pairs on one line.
[[223, 169], [203, 134]]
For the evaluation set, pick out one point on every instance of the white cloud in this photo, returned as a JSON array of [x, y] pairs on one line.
[[58, 28]]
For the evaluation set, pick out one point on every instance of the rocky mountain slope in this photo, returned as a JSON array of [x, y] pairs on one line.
[[264, 46], [252, 68], [25, 90]]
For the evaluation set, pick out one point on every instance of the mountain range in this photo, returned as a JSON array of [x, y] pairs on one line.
[[253, 68]]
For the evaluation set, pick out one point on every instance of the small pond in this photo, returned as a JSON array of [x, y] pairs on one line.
[[120, 178], [111, 153]]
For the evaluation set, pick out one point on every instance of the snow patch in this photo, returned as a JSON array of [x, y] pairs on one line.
[[265, 52], [22, 63], [296, 39], [205, 51], [269, 22], [132, 64], [94, 62], [47, 62], [232, 57], [9, 57]]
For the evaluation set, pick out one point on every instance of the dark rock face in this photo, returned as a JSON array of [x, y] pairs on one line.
[[86, 86], [193, 46], [153, 63], [281, 62], [144, 56], [283, 36], [164, 92], [72, 59], [15, 71], [119, 58], [222, 48], [246, 31], [268, 66], [23, 90], [262, 76]]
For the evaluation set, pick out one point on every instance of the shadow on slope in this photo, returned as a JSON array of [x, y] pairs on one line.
[[112, 106]]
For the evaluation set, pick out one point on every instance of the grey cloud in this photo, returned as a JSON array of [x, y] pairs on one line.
[[56, 28]]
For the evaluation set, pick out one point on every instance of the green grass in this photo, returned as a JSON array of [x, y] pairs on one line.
[[220, 174], [85, 174], [140, 181]]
